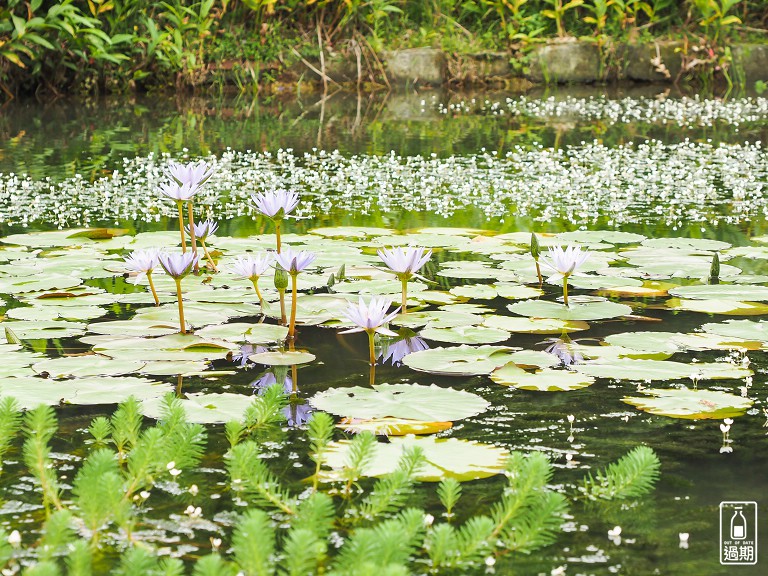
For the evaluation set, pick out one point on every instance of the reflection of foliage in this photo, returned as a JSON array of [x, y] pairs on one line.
[[371, 528]]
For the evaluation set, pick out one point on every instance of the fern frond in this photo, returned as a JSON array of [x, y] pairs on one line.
[[145, 460], [184, 441], [449, 492], [441, 543], [213, 565], [400, 537], [361, 547], [253, 542], [251, 476], [391, 492], [539, 524], [475, 540], [632, 476], [304, 551]]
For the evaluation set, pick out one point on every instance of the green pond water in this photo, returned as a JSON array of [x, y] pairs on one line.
[[650, 164]]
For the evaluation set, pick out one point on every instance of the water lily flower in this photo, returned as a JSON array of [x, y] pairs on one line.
[[193, 173], [294, 262], [395, 350], [564, 263], [202, 231], [276, 205], [144, 262], [370, 318], [178, 266], [404, 262], [179, 193], [251, 268]]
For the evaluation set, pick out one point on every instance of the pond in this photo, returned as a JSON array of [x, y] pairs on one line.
[[651, 350]]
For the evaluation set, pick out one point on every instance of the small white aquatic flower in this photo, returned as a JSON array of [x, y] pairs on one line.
[[177, 265], [564, 262], [250, 267], [370, 317], [293, 261], [194, 174], [405, 260], [14, 539], [683, 539], [178, 192], [275, 204], [204, 229], [142, 261]]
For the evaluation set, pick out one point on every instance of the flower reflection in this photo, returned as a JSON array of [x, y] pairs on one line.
[[395, 350], [269, 379], [247, 350], [297, 414], [564, 349]]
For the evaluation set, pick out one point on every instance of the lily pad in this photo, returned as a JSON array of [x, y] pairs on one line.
[[239, 331], [747, 329], [676, 342], [534, 325], [546, 380], [647, 370], [722, 292], [475, 291], [392, 426], [690, 404], [40, 329], [465, 335], [87, 365], [725, 307], [517, 291], [460, 360], [287, 358], [445, 458], [686, 243], [410, 401], [586, 311], [593, 236], [202, 408]]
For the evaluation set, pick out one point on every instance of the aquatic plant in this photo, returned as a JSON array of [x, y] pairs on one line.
[[181, 194], [564, 263], [178, 266], [370, 318], [201, 231], [405, 263], [252, 268], [276, 205], [293, 263], [144, 262]]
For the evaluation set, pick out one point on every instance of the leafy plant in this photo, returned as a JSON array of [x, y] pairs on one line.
[[558, 12]]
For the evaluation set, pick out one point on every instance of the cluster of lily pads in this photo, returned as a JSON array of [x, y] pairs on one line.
[[684, 112], [645, 183]]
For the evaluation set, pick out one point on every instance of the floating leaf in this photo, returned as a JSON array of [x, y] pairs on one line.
[[87, 365], [436, 319], [546, 380], [647, 370], [392, 426], [445, 458], [690, 404], [40, 329], [287, 358], [725, 307], [517, 291], [722, 292], [476, 291], [586, 311], [594, 236], [465, 334], [460, 360], [676, 342], [202, 408], [534, 325], [240, 331], [747, 329], [686, 244], [410, 401]]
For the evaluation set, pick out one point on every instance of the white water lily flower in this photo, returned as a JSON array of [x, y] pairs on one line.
[[178, 192], [177, 265], [276, 204], [564, 262], [251, 267], [293, 261], [142, 261], [404, 261], [194, 174], [370, 317], [204, 229]]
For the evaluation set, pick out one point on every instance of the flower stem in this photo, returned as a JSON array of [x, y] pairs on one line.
[[404, 302], [565, 290], [283, 320], [295, 379], [538, 273], [152, 287], [255, 282], [277, 233], [294, 297], [192, 234], [372, 376], [371, 352], [208, 256], [182, 324], [181, 226]]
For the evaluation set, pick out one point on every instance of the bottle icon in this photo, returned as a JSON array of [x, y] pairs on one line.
[[738, 525]]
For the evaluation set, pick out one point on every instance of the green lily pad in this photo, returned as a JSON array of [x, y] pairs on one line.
[[690, 404], [676, 342], [517, 291], [600, 282], [582, 311], [465, 335], [392, 426], [747, 329], [89, 365], [436, 319], [648, 370], [445, 458], [525, 325], [410, 401], [43, 330], [137, 326], [722, 292], [287, 358], [176, 368], [476, 291], [725, 307], [460, 360], [239, 331], [594, 236], [546, 380], [216, 408]]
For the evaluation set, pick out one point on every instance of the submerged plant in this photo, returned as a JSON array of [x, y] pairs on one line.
[[144, 262], [252, 268], [404, 262], [293, 263], [564, 263], [178, 266], [370, 318], [276, 205]]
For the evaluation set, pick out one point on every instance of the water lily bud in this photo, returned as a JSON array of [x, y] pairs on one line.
[[331, 280], [342, 273], [281, 279], [714, 270], [535, 248]]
